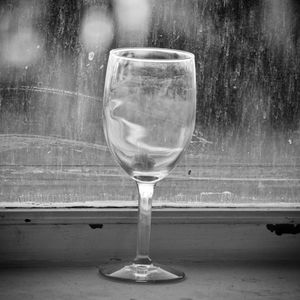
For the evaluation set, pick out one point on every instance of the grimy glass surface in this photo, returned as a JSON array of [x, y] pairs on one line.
[[245, 149]]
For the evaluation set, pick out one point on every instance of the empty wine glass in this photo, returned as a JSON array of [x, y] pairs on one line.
[[149, 113]]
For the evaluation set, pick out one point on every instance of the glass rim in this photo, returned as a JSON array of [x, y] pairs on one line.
[[184, 55]]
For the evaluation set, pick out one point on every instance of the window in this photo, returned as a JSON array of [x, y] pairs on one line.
[[246, 146]]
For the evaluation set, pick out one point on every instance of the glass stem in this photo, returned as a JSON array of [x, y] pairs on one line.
[[144, 223]]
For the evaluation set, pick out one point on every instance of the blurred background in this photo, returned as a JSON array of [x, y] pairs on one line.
[[246, 144]]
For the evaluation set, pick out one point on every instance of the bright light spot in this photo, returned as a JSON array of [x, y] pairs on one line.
[[133, 19], [290, 141], [91, 55], [19, 48], [277, 23], [97, 30], [20, 43]]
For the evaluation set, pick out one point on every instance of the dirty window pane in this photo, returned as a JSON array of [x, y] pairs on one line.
[[246, 145]]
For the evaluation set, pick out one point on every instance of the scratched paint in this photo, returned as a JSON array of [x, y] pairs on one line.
[[246, 145]]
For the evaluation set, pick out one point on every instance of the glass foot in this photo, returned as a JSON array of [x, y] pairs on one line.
[[141, 273]]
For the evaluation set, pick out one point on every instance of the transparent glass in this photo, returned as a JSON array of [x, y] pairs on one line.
[[149, 116]]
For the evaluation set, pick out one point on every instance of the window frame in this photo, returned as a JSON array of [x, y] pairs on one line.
[[229, 215]]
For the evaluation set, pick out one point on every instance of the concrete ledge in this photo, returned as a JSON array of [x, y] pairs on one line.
[[206, 280]]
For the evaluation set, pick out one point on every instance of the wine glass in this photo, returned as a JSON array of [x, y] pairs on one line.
[[149, 111]]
